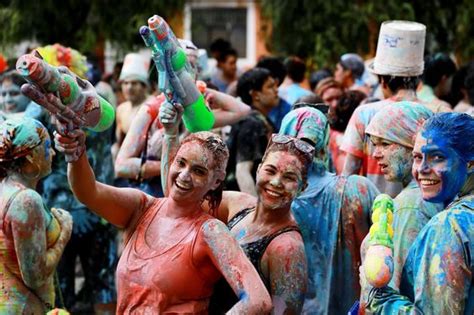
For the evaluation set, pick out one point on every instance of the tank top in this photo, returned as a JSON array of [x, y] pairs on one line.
[[224, 297], [167, 281]]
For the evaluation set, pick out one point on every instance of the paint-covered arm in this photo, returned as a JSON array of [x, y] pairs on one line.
[[28, 223], [287, 272], [229, 258], [437, 276], [227, 109], [243, 174], [129, 163], [116, 205]]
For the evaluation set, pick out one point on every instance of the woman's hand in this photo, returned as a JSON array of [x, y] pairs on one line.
[[71, 145], [170, 117]]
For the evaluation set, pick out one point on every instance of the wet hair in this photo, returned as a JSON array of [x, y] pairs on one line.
[[295, 69], [252, 80], [275, 66], [345, 107], [14, 77], [290, 147], [220, 155], [400, 83], [437, 66], [456, 129], [222, 57]]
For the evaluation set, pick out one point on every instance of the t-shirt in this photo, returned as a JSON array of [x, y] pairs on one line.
[[247, 141], [292, 93]]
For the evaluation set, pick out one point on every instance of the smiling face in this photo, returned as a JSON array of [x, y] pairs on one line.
[[279, 180], [13, 101], [192, 173], [394, 160], [437, 167]]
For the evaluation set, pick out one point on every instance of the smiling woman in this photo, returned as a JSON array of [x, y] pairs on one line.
[[437, 276], [263, 226]]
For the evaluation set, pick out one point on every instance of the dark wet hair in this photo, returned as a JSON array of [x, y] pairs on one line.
[[275, 66], [437, 66], [295, 68], [14, 77], [345, 107], [317, 76], [400, 83], [252, 80], [222, 57], [469, 81], [220, 155], [457, 130]]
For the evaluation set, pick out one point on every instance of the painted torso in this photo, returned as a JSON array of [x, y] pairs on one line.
[[154, 276]]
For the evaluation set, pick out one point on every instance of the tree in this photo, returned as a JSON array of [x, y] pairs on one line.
[[323, 30], [80, 24]]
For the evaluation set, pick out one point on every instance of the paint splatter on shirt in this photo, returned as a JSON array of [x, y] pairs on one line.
[[333, 214], [412, 213], [437, 277]]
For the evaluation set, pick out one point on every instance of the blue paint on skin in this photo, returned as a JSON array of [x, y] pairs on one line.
[[240, 235], [453, 174], [47, 148]]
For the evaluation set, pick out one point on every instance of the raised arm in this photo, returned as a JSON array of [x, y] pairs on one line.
[[129, 163], [243, 174], [116, 205], [227, 109], [227, 256], [287, 269], [27, 219]]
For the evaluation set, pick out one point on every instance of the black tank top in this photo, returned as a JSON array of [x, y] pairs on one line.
[[224, 297]]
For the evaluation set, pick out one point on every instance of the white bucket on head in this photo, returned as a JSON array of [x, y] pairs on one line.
[[135, 67], [400, 49]]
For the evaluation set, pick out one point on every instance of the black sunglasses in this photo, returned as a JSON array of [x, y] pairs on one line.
[[322, 107]]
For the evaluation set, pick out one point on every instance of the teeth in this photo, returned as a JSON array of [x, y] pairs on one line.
[[273, 194], [429, 182], [185, 187]]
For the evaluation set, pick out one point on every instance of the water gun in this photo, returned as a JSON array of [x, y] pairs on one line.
[[77, 107], [378, 264], [175, 75]]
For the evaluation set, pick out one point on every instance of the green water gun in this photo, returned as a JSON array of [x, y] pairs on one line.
[[175, 76]]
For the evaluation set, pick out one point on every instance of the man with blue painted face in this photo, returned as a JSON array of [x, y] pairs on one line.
[[437, 277]]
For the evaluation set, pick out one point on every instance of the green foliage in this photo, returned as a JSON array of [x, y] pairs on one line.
[[323, 30], [80, 23]]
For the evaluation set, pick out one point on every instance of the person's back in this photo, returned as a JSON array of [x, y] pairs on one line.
[[15, 297], [333, 214]]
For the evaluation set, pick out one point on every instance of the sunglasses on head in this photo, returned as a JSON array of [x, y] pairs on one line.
[[301, 145], [322, 107]]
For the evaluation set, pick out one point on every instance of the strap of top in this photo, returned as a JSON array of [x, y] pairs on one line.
[[239, 216]]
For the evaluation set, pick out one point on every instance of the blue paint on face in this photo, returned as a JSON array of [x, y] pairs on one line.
[[47, 148], [445, 164]]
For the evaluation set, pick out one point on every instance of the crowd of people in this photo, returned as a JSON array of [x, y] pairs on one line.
[[268, 212]]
